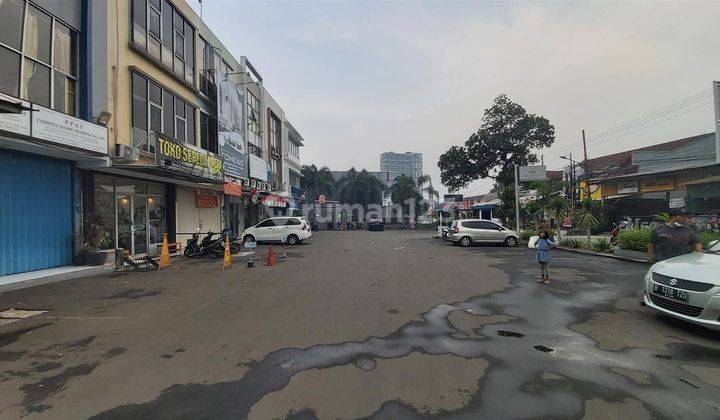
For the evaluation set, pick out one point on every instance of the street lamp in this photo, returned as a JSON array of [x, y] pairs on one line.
[[572, 178]]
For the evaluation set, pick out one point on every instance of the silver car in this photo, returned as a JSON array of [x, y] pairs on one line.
[[468, 231], [687, 287]]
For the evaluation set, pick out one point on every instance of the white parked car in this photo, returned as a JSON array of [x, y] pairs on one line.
[[291, 230], [468, 231], [687, 287]]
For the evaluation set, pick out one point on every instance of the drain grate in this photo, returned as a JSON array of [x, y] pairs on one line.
[[543, 349]]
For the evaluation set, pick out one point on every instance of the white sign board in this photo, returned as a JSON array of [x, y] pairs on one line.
[[258, 167], [16, 123], [677, 203], [628, 188], [56, 127], [531, 173], [250, 245]]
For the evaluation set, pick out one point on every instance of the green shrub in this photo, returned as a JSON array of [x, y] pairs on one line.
[[634, 239], [526, 234], [602, 245], [707, 237], [570, 243]]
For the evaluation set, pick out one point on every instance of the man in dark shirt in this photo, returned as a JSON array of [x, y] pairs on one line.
[[673, 238]]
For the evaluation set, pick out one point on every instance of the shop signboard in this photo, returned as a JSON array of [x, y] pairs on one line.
[[15, 123], [677, 203], [56, 127], [628, 188], [183, 157], [206, 199], [296, 191], [658, 184], [258, 168], [531, 173], [231, 188], [232, 146]]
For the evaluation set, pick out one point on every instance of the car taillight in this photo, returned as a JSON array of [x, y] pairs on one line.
[[455, 230]]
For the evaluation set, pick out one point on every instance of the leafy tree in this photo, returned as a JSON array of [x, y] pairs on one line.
[[430, 190], [507, 137], [585, 217], [558, 209], [317, 181], [359, 188], [404, 192]]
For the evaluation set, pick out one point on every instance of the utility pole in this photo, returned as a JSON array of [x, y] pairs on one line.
[[585, 164], [517, 200], [572, 182], [716, 97]]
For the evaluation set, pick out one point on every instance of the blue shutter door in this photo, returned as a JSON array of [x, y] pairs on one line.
[[36, 212]]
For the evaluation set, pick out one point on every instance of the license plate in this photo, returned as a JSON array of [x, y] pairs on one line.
[[669, 292]]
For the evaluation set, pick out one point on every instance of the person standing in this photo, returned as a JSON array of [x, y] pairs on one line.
[[543, 246], [673, 238]]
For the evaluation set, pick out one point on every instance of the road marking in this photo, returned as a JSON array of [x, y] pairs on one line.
[[19, 313]]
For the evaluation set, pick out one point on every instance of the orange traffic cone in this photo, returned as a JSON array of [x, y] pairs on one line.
[[270, 257], [227, 260], [164, 253]]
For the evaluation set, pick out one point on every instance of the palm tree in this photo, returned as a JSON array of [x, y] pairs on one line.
[[558, 208], [359, 188], [585, 216], [430, 190], [404, 189], [317, 181]]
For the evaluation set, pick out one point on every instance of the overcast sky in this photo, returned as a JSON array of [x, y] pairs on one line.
[[360, 78]]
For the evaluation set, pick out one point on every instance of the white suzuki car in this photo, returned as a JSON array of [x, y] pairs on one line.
[[687, 287], [291, 230]]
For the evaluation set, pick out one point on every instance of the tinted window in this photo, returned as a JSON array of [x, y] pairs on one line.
[[471, 225], [292, 222], [488, 225], [266, 223]]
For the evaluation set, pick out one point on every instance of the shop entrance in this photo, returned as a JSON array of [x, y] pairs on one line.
[[132, 223]]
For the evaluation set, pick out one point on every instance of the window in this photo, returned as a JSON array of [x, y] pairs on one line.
[[487, 225], [253, 110], [293, 148], [207, 69], [208, 133], [254, 150], [292, 222], [157, 110], [274, 131], [161, 31], [266, 223], [46, 51], [275, 168]]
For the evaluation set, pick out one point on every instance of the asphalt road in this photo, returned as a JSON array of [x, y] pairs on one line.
[[385, 325]]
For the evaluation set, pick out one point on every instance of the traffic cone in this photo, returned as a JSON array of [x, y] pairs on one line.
[[227, 259], [164, 253], [270, 257]]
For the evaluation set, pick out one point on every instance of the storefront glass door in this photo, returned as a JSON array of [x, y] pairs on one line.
[[139, 224], [132, 223]]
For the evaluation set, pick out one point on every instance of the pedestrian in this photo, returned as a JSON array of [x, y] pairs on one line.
[[543, 246], [674, 238]]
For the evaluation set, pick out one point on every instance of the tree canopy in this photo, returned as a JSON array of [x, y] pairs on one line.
[[317, 181], [507, 136], [359, 188]]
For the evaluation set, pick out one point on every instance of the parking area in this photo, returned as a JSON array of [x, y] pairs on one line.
[[393, 324]]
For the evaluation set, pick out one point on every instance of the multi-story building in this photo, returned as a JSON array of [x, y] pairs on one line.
[[291, 167], [129, 117], [408, 163]]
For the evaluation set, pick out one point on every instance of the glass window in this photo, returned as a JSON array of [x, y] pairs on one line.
[[157, 219], [155, 93], [190, 121], [64, 98], [9, 72], [36, 83], [38, 35], [189, 53], [130, 186], [204, 127], [167, 34], [104, 215], [155, 119], [64, 49], [266, 223], [292, 222], [103, 183], [156, 189], [179, 36], [140, 112], [11, 20], [154, 47], [168, 114], [180, 129], [180, 108], [153, 22], [139, 22]]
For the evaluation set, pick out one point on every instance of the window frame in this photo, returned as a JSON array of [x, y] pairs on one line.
[[74, 60]]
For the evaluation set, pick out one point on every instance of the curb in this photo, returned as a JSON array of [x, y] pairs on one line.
[[586, 252]]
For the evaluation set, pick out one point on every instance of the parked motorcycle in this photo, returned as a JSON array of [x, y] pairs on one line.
[[214, 248]]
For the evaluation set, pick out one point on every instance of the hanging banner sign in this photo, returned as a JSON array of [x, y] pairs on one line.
[[183, 157], [231, 124], [258, 168], [531, 173], [233, 189], [206, 199]]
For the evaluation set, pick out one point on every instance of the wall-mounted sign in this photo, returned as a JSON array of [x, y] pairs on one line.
[[296, 191], [185, 158], [231, 128], [628, 188], [206, 199], [56, 127], [531, 173], [658, 184], [677, 203], [15, 123], [258, 168], [452, 198], [231, 188]]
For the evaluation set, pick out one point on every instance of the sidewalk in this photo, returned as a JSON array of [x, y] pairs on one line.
[[50, 275]]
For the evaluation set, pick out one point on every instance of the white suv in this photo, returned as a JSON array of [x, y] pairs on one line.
[[291, 230], [468, 231]]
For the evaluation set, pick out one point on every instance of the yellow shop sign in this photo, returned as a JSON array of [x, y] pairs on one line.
[[183, 157]]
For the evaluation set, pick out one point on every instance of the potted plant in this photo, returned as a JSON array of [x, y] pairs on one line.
[[93, 236]]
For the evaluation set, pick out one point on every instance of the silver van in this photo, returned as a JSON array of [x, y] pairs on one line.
[[468, 231]]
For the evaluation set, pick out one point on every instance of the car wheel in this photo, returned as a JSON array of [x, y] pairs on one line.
[[444, 235], [511, 241], [465, 241], [249, 238], [292, 239]]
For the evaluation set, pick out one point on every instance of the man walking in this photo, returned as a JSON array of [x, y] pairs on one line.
[[673, 238]]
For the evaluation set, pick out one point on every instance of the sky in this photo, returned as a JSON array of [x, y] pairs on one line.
[[360, 78]]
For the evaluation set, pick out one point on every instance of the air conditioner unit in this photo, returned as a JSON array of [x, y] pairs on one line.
[[128, 153]]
